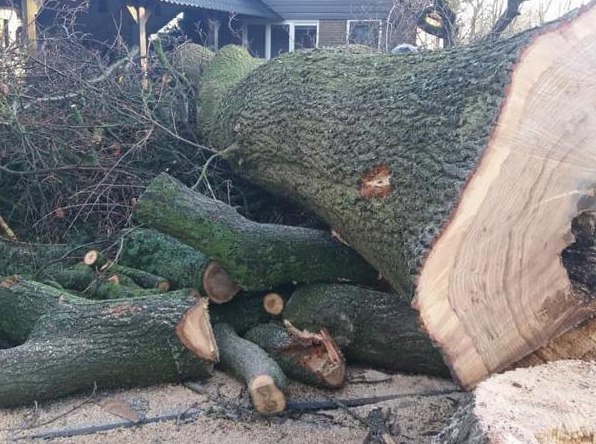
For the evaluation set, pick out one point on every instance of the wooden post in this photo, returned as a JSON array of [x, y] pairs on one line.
[[29, 13], [141, 15]]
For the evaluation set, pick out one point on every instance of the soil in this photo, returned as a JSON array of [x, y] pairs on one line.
[[223, 413]]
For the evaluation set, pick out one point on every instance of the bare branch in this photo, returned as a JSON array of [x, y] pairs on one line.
[[511, 12]]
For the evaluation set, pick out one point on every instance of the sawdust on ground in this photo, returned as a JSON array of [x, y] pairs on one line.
[[223, 413]]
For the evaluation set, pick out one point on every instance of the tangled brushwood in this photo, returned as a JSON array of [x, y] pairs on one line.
[[82, 131]]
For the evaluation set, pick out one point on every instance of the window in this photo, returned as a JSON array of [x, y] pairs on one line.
[[365, 32], [280, 39], [256, 40], [305, 36], [271, 40]]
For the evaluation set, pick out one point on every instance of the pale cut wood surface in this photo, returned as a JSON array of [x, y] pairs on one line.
[[493, 288], [548, 404]]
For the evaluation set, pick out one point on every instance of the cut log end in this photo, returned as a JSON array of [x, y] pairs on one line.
[[266, 397], [163, 286], [551, 403], [9, 281], [273, 304], [502, 249], [93, 258], [218, 285], [194, 331]]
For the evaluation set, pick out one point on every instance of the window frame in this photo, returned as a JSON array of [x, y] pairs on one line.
[[292, 33], [353, 21]]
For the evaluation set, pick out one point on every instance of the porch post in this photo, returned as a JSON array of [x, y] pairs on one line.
[[141, 15], [29, 10], [268, 41]]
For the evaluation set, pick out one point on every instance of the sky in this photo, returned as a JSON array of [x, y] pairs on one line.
[[554, 8]]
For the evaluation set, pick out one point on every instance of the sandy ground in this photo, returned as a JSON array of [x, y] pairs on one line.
[[223, 413]]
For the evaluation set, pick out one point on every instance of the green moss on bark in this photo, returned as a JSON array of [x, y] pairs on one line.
[[256, 256], [311, 125], [163, 255], [74, 344]]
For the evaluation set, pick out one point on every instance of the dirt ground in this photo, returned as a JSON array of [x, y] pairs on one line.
[[221, 413]]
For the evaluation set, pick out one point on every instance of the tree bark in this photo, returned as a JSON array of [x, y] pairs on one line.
[[27, 258], [265, 380], [256, 256], [242, 313], [310, 358], [457, 174], [551, 403], [72, 344], [141, 278], [182, 265], [371, 327]]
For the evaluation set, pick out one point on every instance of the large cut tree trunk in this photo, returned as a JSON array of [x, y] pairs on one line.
[[457, 174]]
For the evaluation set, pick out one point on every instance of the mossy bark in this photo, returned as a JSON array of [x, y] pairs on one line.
[[163, 255], [23, 302], [313, 125], [372, 327], [141, 278], [256, 256], [232, 64], [27, 258], [72, 344]]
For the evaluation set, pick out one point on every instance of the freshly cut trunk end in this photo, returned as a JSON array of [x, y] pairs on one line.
[[266, 397], [273, 304], [494, 288], [194, 331], [548, 404], [218, 284]]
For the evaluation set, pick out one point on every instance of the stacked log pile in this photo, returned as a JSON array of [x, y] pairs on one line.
[[480, 215], [173, 303]]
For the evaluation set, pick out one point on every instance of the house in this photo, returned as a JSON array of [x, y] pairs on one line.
[[267, 27], [9, 26], [308, 23]]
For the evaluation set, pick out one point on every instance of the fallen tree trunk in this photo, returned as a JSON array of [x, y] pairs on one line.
[[256, 256], [307, 357], [371, 327], [457, 174], [551, 403], [72, 344], [182, 265], [265, 380]]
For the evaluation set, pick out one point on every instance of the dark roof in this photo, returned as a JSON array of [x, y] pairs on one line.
[[254, 8], [330, 9]]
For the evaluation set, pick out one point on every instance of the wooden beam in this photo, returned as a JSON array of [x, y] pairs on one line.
[[29, 14], [143, 14], [140, 15]]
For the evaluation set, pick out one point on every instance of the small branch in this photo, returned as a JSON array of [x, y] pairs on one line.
[[104, 76], [505, 19], [186, 415], [5, 229], [334, 404]]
